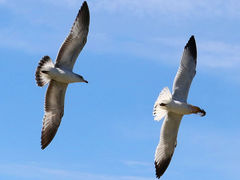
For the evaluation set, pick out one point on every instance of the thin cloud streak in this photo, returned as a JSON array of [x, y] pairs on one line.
[[184, 8], [38, 172], [215, 143], [217, 54], [137, 163], [212, 54], [207, 8]]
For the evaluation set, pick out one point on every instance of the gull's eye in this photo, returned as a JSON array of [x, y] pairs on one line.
[[162, 104]]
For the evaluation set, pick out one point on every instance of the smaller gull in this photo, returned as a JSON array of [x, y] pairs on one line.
[[60, 74], [174, 106]]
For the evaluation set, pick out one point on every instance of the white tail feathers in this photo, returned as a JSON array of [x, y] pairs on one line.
[[165, 96], [44, 65]]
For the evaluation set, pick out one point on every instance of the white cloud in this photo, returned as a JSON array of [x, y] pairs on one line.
[[168, 50], [211, 54], [171, 7], [148, 49], [217, 54], [137, 163], [36, 171], [186, 8], [222, 147], [66, 3], [12, 39]]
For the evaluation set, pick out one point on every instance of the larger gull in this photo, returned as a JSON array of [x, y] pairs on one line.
[[60, 74], [174, 106]]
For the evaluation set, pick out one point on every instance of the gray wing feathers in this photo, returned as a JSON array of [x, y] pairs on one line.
[[186, 71], [54, 109], [75, 41], [167, 144]]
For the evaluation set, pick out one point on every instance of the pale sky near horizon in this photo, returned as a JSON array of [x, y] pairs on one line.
[[133, 52]]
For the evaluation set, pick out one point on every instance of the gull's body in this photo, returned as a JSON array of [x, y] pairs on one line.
[[60, 74], [63, 76], [174, 106]]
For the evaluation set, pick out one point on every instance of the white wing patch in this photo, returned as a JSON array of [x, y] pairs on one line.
[[165, 96]]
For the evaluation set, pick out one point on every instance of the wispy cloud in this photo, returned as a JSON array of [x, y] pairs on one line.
[[66, 3], [12, 39], [217, 144], [171, 7], [201, 8], [217, 54], [211, 54], [137, 163], [148, 48], [167, 49], [35, 171]]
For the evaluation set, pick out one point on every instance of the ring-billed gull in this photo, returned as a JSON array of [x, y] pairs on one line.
[[174, 106], [60, 74]]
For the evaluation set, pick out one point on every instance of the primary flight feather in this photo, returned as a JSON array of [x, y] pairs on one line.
[[60, 74], [174, 106]]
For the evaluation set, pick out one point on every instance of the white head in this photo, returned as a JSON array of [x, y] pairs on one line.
[[81, 79]]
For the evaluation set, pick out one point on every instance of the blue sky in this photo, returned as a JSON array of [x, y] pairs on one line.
[[133, 51]]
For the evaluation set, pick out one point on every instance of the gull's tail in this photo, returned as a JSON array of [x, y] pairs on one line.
[[41, 76], [164, 97]]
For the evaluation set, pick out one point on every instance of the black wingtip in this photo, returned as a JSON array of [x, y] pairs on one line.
[[47, 136], [84, 5], [85, 13], [43, 145], [45, 141], [162, 166], [191, 45]]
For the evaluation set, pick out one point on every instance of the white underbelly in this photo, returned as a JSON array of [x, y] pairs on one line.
[[179, 107], [63, 76]]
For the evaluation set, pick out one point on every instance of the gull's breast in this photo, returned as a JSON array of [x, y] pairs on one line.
[[179, 107], [63, 76]]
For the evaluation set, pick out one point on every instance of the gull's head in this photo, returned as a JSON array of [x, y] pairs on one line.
[[81, 79], [199, 111], [202, 112]]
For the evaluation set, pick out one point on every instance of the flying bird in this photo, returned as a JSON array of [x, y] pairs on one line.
[[174, 106], [60, 74]]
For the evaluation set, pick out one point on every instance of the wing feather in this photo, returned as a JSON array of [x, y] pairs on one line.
[[54, 110], [186, 71], [75, 41], [167, 143]]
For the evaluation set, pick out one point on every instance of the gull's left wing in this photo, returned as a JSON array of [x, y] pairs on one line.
[[186, 71], [75, 41]]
